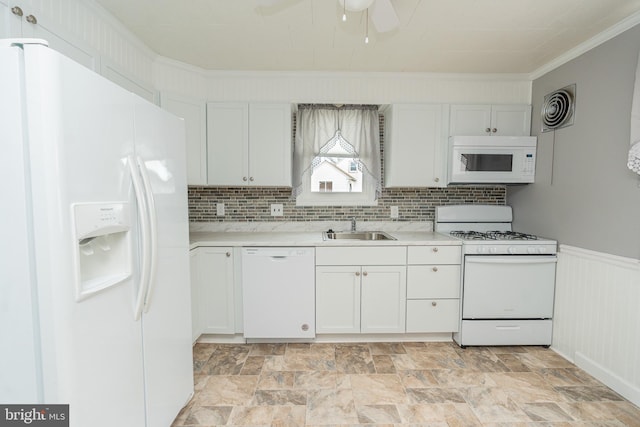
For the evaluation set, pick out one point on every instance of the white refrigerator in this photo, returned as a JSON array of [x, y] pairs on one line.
[[94, 278]]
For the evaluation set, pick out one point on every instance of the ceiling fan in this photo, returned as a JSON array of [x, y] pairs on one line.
[[381, 12]]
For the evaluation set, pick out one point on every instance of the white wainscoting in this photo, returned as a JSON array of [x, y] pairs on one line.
[[597, 317]]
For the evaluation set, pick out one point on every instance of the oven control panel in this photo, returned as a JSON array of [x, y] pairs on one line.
[[509, 249]]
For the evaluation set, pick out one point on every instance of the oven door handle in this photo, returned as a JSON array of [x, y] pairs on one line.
[[534, 259]]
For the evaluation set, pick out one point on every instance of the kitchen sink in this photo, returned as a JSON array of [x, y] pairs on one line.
[[357, 235]]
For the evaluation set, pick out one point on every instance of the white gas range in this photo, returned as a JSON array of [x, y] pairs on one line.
[[508, 277]]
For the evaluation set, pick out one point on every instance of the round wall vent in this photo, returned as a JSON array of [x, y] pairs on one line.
[[558, 108]]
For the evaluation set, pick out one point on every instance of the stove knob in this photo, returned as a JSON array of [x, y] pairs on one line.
[[542, 250], [531, 250], [482, 250], [493, 250], [512, 250]]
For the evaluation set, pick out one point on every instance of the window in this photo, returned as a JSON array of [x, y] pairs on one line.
[[324, 187], [337, 156]]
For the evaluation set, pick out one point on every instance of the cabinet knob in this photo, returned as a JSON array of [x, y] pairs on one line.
[[435, 249], [487, 130], [251, 179], [364, 273], [433, 303], [228, 254], [357, 273], [436, 179], [304, 327], [16, 10], [494, 130], [31, 19], [435, 269]]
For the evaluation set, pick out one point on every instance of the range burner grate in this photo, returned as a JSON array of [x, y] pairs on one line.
[[492, 235]]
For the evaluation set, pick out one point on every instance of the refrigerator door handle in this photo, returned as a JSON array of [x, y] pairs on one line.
[[138, 188], [153, 232]]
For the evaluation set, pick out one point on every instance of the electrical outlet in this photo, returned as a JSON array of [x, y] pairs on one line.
[[277, 209], [394, 212], [220, 209]]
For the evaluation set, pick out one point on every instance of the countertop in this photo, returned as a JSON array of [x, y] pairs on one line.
[[312, 238]]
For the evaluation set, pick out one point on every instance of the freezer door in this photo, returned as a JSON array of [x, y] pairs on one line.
[[79, 133], [19, 375]]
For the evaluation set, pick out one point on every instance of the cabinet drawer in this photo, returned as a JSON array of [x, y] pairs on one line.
[[433, 281], [433, 315], [434, 254], [361, 255]]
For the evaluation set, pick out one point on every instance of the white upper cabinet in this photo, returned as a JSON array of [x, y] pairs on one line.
[[503, 120], [249, 144], [20, 19], [194, 113], [415, 145]]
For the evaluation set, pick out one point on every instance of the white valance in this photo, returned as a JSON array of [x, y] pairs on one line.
[[319, 125]]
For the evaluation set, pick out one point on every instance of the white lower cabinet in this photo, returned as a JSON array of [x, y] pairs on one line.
[[337, 300], [433, 289], [383, 294], [360, 298], [214, 308]]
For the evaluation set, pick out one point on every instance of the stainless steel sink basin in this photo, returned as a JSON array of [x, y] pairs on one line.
[[358, 235]]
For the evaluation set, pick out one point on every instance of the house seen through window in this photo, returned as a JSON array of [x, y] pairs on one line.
[[336, 169]]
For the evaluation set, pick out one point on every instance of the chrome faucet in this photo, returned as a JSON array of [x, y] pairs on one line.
[[353, 224]]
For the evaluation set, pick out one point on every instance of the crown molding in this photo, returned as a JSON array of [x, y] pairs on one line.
[[619, 28]]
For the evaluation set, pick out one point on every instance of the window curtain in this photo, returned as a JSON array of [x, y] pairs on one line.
[[317, 125]]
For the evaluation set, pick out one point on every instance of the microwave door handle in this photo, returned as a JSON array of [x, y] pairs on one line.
[[535, 259]]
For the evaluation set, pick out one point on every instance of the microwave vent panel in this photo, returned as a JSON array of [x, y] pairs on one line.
[[558, 108]]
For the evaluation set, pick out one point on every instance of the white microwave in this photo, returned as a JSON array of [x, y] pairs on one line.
[[492, 159]]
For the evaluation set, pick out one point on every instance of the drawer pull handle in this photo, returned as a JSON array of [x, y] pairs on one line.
[[435, 269], [435, 249], [433, 303], [365, 273], [357, 273], [228, 254]]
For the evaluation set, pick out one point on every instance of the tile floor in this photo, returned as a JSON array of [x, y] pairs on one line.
[[429, 384]]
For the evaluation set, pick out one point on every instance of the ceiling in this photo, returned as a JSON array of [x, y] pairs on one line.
[[448, 36]]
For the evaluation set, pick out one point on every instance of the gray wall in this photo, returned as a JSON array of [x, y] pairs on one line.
[[584, 195]]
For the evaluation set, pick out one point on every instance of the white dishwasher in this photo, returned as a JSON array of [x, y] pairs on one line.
[[278, 292]]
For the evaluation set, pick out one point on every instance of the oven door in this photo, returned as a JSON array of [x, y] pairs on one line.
[[508, 287]]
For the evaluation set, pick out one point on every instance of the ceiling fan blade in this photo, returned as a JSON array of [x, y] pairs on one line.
[[267, 3], [383, 16]]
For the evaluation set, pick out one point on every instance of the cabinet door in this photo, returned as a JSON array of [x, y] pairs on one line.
[[470, 120], [227, 144], [384, 299], [193, 111], [415, 146], [13, 25], [196, 325], [10, 23], [511, 120], [270, 144], [216, 290], [337, 300]]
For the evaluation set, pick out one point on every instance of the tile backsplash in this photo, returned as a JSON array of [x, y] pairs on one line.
[[254, 204]]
